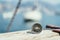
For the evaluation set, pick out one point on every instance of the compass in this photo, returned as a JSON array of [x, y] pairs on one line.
[[37, 28]]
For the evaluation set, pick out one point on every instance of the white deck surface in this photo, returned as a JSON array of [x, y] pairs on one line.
[[23, 35]]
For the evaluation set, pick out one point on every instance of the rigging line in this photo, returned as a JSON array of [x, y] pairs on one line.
[[12, 19]]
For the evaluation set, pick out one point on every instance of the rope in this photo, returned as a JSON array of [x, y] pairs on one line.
[[12, 19]]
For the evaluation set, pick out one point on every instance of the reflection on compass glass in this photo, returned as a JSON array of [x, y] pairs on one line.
[[37, 28]]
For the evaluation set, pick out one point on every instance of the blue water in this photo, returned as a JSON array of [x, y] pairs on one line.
[[19, 23]]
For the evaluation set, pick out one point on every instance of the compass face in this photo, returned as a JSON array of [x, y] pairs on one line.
[[37, 28]]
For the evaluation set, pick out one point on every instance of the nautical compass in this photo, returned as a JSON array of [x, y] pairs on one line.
[[37, 28]]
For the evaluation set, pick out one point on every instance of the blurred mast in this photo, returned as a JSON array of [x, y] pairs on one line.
[[12, 19], [36, 3]]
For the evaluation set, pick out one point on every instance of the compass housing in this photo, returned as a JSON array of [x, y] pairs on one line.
[[37, 28]]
